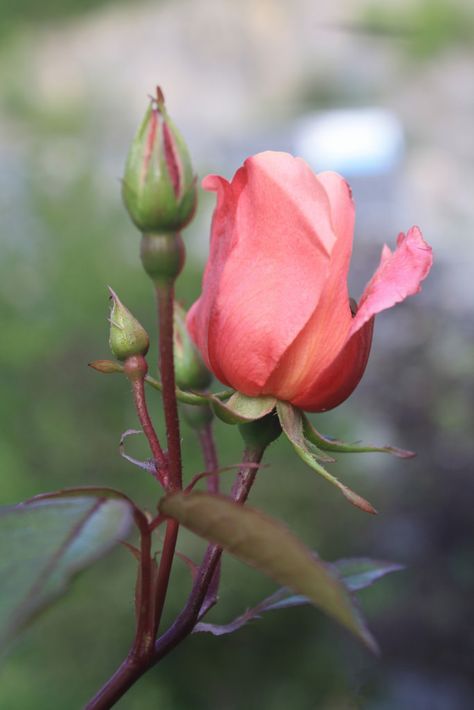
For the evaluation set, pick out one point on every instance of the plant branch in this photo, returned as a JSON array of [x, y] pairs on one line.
[[164, 571], [193, 611], [165, 298], [133, 667], [161, 463], [209, 454]]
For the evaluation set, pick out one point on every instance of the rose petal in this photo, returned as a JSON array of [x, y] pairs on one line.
[[326, 331], [399, 275], [199, 315], [270, 249], [340, 379]]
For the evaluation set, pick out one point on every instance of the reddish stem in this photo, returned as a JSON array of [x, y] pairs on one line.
[[165, 297], [161, 463], [164, 571], [140, 656], [144, 636], [132, 667], [209, 454], [192, 612]]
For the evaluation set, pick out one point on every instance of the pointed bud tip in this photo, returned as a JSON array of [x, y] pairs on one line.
[[160, 97], [127, 336]]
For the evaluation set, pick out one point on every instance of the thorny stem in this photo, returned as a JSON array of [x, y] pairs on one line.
[[211, 463], [191, 613], [138, 388], [166, 561], [209, 454], [139, 658], [132, 667], [144, 636], [165, 297], [152, 588]]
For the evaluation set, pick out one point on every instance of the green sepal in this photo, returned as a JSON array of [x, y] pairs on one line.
[[337, 446], [240, 409], [291, 420]]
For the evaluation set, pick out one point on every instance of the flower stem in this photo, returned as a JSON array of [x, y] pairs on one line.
[[209, 454], [126, 675], [161, 463], [134, 666], [196, 607], [164, 571], [165, 298], [140, 656]]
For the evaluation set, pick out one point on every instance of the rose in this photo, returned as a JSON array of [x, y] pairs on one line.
[[274, 316]]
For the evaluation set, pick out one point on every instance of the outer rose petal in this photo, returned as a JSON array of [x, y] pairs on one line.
[[271, 244], [221, 242], [399, 275], [342, 376], [326, 332]]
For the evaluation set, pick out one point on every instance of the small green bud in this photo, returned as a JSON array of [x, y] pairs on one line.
[[127, 336], [197, 416], [190, 371], [159, 187]]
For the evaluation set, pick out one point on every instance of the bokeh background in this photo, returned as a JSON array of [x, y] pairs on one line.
[[242, 77]]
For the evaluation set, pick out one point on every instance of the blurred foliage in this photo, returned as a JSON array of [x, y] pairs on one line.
[[13, 14], [427, 26]]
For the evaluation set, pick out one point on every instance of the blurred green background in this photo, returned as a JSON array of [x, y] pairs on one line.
[[74, 78]]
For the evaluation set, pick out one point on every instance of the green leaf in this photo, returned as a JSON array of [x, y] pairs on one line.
[[291, 420], [266, 544], [44, 543], [335, 445], [240, 409]]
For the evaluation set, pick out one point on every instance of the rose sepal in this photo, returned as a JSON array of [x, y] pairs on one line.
[[241, 409], [291, 420], [327, 443]]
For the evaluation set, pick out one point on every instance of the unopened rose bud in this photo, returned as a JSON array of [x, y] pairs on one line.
[[127, 336], [190, 371], [159, 187]]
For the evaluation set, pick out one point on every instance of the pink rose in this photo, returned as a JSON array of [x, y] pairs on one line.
[[274, 315]]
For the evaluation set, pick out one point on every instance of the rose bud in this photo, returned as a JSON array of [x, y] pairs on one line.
[[127, 337], [189, 369], [274, 316], [159, 187]]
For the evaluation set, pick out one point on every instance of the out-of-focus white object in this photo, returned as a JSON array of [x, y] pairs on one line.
[[366, 146], [366, 141]]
